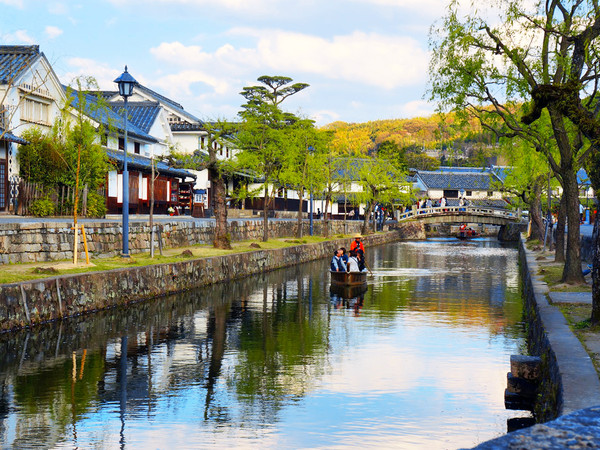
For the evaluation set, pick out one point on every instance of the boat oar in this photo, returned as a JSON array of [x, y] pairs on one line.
[[371, 273]]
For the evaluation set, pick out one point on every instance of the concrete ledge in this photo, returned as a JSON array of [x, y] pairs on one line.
[[34, 302], [580, 429]]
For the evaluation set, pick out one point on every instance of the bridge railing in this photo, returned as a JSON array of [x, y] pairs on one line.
[[486, 211]]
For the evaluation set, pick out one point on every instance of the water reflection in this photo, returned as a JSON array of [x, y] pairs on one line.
[[282, 359]]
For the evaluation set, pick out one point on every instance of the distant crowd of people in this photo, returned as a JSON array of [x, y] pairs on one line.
[[441, 203]]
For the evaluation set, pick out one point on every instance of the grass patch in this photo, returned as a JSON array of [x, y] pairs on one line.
[[14, 273], [552, 273], [533, 244]]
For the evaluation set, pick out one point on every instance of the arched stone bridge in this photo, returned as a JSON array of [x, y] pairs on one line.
[[462, 214]]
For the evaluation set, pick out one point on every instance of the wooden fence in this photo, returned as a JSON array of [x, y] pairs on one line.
[[63, 198]]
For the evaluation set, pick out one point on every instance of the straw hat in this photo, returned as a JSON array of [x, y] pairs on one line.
[[358, 236]]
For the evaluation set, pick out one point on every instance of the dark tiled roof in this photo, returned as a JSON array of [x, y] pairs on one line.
[[12, 138], [458, 180], [107, 95], [107, 116], [136, 161], [160, 97], [14, 59], [462, 169], [168, 101], [184, 126], [141, 114]]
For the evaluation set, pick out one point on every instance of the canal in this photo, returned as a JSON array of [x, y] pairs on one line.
[[417, 360]]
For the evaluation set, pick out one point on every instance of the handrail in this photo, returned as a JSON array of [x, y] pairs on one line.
[[486, 211]]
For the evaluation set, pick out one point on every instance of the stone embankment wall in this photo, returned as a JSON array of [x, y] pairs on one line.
[[53, 241], [33, 302], [570, 381]]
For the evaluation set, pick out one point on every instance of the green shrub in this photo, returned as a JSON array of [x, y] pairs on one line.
[[96, 205], [42, 207]]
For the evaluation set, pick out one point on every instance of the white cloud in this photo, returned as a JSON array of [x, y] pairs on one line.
[[17, 3], [17, 37], [103, 74], [252, 7], [417, 108], [367, 58], [428, 7], [53, 32], [58, 8], [323, 117], [179, 83]]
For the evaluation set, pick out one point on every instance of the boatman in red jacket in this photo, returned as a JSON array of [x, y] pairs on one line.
[[357, 244]]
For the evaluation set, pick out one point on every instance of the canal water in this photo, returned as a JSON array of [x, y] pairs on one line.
[[418, 359]]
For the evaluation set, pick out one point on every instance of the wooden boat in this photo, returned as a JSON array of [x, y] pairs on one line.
[[467, 234], [348, 278]]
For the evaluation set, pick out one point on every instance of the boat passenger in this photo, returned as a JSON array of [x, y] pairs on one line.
[[337, 263], [353, 262], [360, 257], [344, 254]]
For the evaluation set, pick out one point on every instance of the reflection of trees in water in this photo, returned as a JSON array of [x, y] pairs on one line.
[[467, 282], [134, 356], [249, 347]]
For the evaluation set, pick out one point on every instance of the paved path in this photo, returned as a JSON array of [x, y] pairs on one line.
[[581, 298]]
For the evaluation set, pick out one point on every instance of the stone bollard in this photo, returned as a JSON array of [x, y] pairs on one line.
[[522, 382]]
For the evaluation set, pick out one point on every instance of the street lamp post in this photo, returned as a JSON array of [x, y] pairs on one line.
[[126, 84], [311, 229]]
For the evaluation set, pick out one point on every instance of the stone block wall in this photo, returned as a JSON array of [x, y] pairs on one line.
[[53, 241], [33, 302]]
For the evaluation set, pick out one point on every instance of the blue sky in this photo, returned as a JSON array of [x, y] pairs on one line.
[[364, 59]]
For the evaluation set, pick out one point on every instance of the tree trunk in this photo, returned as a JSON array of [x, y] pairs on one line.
[[151, 218], [596, 274], [300, 214], [559, 255], [365, 226], [222, 238], [266, 215], [535, 212], [326, 217], [572, 271]]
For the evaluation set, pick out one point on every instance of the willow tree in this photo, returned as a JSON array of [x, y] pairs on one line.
[[301, 165], [381, 182], [264, 133], [491, 58], [526, 180]]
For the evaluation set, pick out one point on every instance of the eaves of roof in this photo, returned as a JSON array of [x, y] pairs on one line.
[[140, 114], [136, 161], [12, 138], [108, 117], [15, 59], [456, 180], [176, 106]]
